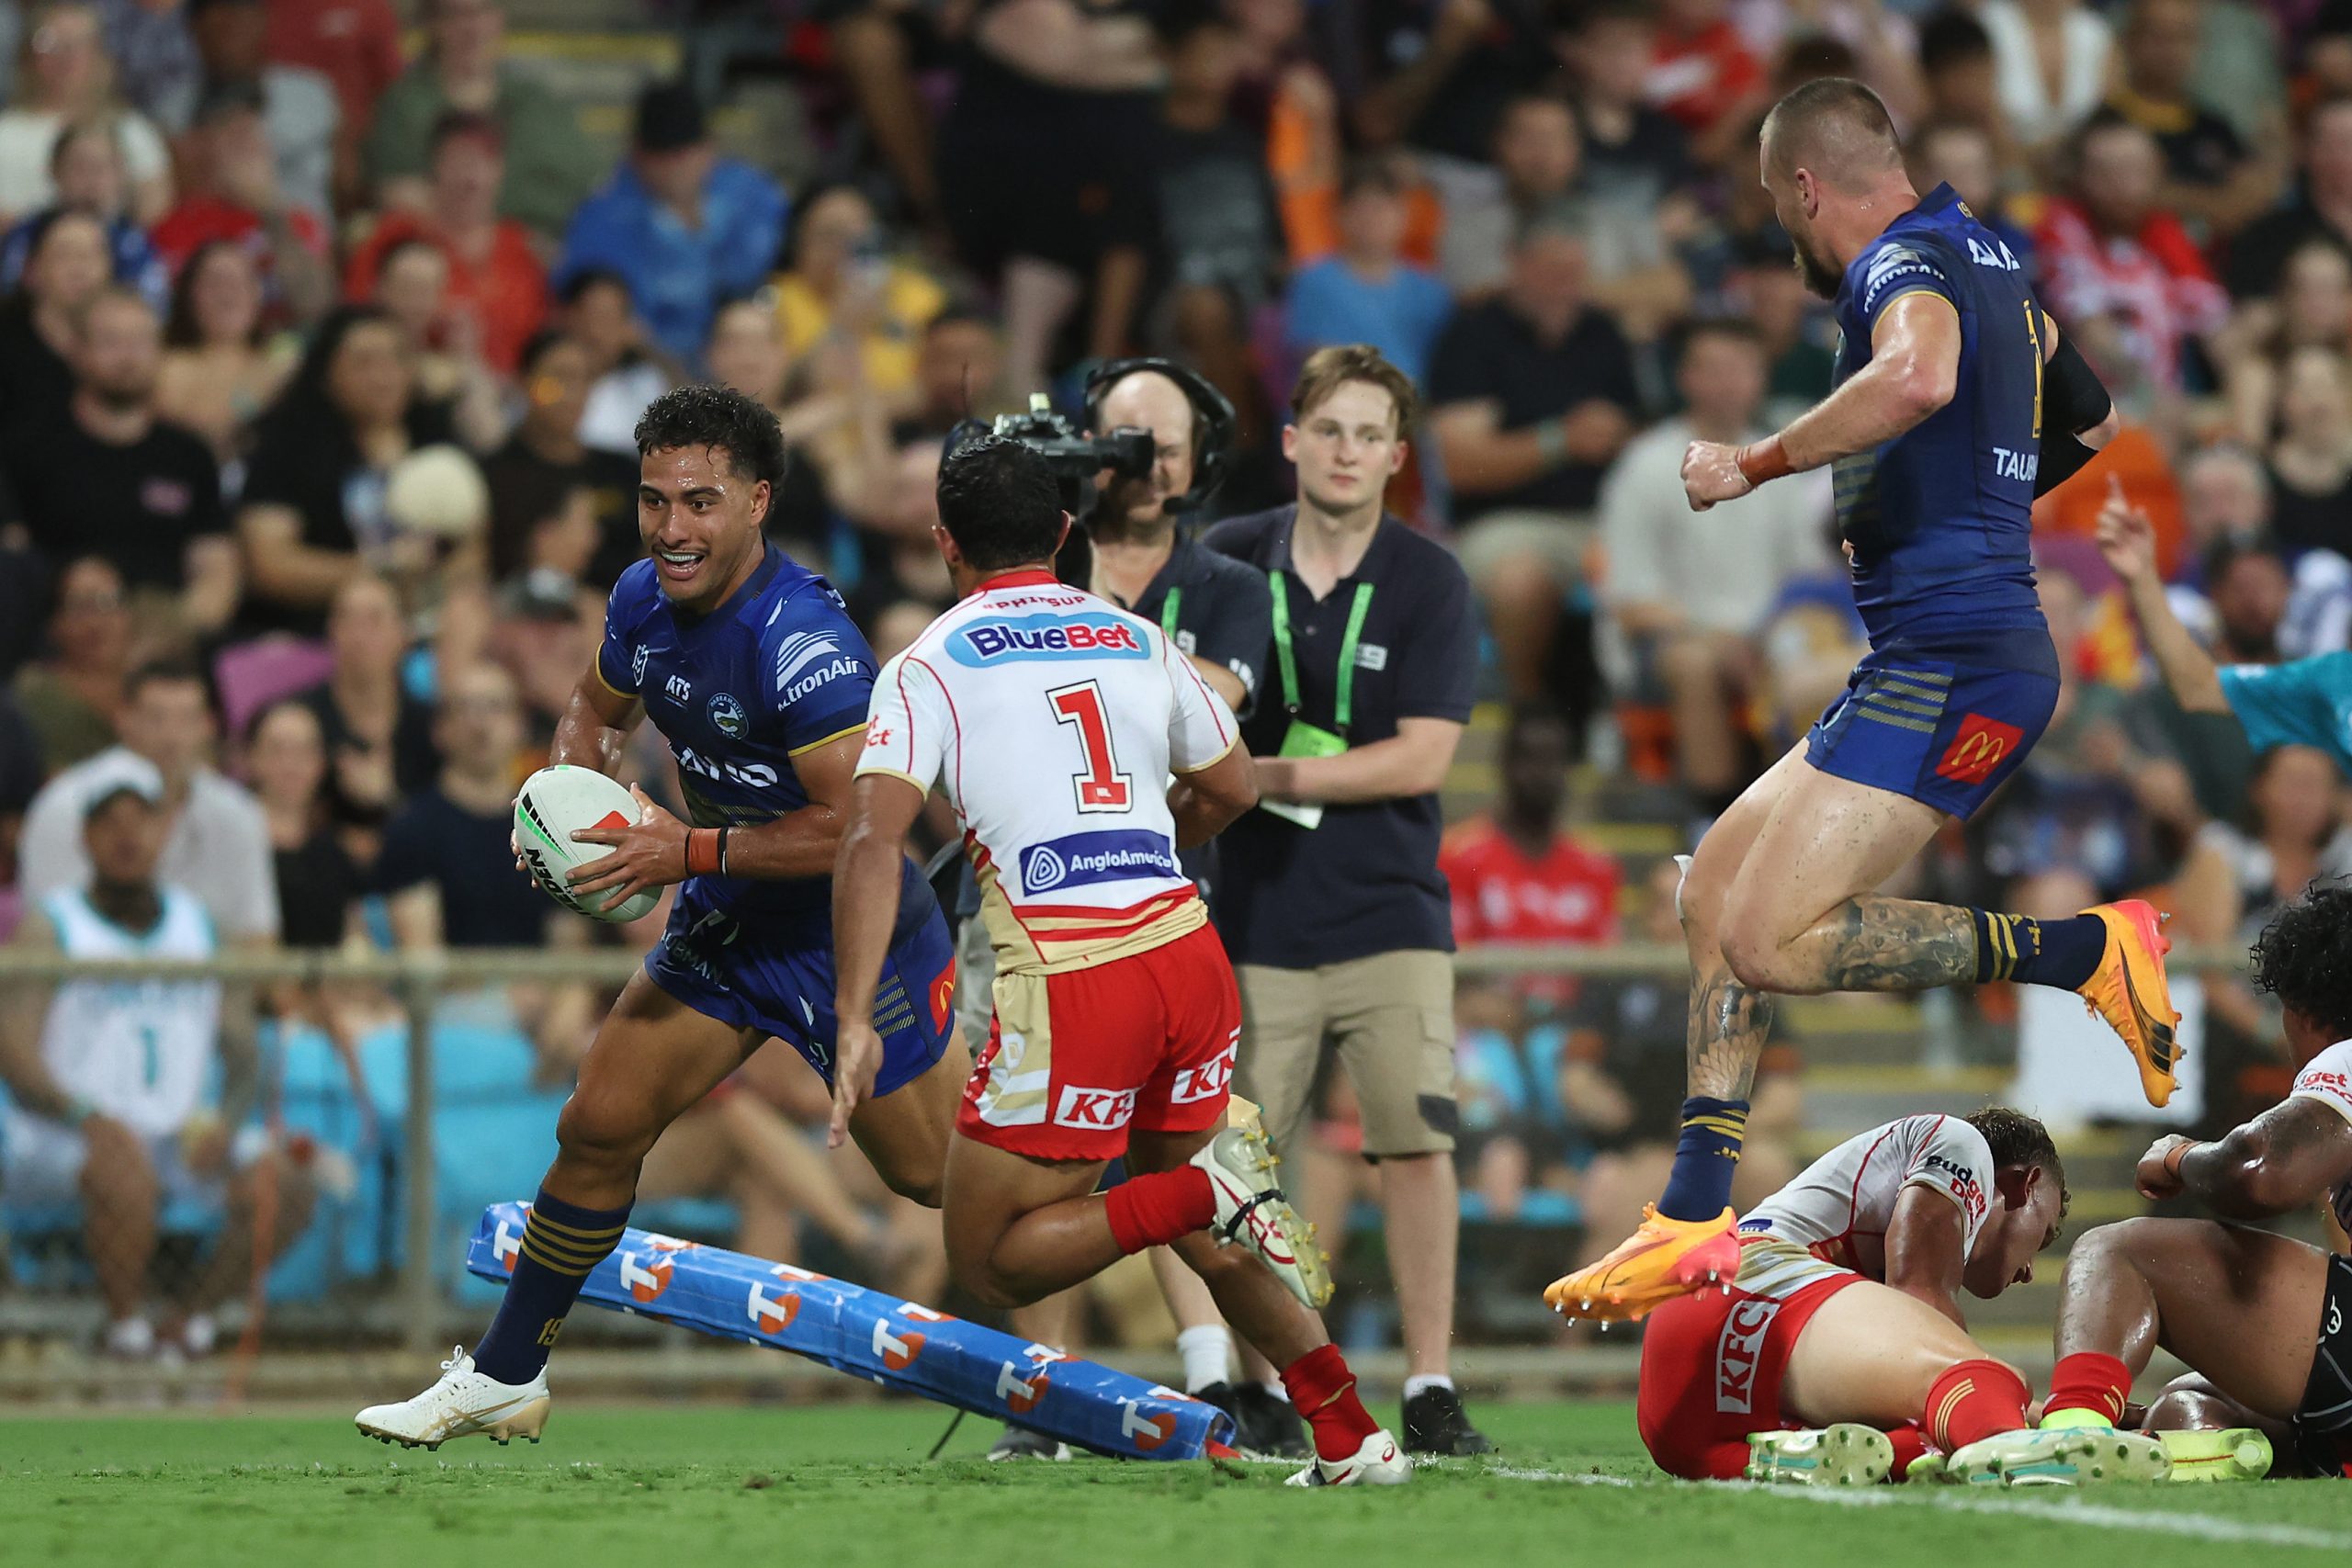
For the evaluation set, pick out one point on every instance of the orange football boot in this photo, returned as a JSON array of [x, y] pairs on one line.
[[2128, 990], [1663, 1259]]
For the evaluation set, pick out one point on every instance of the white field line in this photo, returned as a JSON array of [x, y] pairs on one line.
[[2092, 1516]]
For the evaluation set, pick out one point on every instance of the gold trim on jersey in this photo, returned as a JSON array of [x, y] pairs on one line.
[[803, 751], [1213, 761]]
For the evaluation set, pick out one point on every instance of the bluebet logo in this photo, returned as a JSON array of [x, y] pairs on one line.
[[1046, 637], [1081, 858]]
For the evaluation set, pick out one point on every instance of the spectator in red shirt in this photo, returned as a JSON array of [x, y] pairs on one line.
[[355, 44], [1520, 880], [1702, 75], [232, 195], [495, 277], [2122, 272]]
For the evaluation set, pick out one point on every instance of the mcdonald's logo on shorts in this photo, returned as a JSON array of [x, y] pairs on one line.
[[1982, 745]]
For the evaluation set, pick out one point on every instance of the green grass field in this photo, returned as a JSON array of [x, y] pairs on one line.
[[678, 1488]]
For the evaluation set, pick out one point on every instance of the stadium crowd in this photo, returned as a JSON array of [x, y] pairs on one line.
[[327, 324]]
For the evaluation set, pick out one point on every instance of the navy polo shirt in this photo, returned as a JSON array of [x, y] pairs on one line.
[[1365, 882], [1224, 611]]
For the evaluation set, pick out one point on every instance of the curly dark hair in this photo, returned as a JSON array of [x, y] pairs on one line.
[[719, 418], [2017, 1139], [2304, 957], [1000, 504]]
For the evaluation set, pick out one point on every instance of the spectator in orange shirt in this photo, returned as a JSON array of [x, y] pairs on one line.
[[1518, 878], [495, 275], [1702, 75]]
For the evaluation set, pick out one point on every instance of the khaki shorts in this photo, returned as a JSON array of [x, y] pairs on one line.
[[1562, 541], [1390, 1017]]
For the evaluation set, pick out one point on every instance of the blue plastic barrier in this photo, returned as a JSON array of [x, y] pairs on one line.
[[870, 1334]]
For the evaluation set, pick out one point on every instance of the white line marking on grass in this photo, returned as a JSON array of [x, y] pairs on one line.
[[2091, 1515]]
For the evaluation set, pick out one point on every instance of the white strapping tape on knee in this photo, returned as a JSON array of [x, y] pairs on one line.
[[1684, 862]]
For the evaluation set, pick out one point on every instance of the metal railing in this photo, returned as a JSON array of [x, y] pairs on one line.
[[420, 981]]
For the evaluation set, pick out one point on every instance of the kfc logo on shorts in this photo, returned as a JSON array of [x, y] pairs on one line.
[[1101, 1108], [1982, 745], [1738, 1351], [1205, 1082]]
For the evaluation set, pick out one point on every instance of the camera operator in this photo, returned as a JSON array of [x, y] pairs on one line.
[[1216, 610], [1330, 899]]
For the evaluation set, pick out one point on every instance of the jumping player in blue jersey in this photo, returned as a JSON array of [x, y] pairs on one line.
[[749, 666], [1957, 403]]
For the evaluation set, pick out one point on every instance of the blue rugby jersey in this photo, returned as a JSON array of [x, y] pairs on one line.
[[1939, 518], [776, 670]]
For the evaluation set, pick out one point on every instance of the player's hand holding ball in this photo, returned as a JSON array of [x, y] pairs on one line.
[[1710, 473], [648, 855], [565, 816], [2159, 1174], [857, 1062]]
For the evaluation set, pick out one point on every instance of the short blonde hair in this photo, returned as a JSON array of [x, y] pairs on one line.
[[1329, 369]]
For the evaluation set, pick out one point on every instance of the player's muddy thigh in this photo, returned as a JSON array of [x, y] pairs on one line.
[[1803, 915], [1871, 1353], [652, 1057], [2242, 1306], [905, 1132]]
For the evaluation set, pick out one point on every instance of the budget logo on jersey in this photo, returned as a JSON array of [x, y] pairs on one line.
[[1113, 855], [984, 643], [1965, 1188], [1982, 745], [727, 716]]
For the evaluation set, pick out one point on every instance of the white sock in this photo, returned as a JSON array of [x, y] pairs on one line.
[[1208, 1353], [1277, 1389], [1422, 1381], [132, 1336]]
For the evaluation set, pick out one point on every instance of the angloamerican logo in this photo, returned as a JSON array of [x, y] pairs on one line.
[[1046, 637], [1112, 856]]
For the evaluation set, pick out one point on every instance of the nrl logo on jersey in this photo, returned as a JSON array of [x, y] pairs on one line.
[[727, 716], [637, 666]]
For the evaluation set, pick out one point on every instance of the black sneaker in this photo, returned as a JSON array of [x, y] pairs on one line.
[[1019, 1443], [1434, 1424], [1264, 1426]]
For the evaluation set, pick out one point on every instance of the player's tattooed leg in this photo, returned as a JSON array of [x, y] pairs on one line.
[[1871, 943], [1727, 1028]]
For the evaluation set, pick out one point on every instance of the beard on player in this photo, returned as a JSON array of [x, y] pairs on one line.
[[1822, 278]]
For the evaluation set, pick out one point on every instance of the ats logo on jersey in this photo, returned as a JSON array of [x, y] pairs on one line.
[[1110, 856], [1982, 745], [727, 716], [984, 643]]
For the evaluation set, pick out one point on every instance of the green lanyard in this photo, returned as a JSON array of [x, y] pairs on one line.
[[1168, 612], [1343, 706]]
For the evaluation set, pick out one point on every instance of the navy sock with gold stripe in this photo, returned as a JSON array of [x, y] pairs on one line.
[[1705, 1158], [562, 1243], [2063, 954]]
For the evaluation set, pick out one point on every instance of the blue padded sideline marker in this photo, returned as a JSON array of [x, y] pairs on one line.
[[870, 1334]]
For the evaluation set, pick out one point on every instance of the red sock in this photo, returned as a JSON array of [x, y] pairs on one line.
[[2091, 1380], [1323, 1390], [1909, 1444], [1974, 1399], [1152, 1210]]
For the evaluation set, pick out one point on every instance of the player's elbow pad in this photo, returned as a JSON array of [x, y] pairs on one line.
[[2073, 397], [2063, 457]]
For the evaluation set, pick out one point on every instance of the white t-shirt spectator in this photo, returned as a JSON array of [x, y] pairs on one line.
[[1723, 567], [2034, 114], [219, 847], [28, 136]]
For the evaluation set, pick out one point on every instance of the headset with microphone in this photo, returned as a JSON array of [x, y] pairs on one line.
[[1213, 420]]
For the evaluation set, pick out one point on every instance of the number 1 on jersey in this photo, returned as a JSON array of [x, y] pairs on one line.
[[1101, 787]]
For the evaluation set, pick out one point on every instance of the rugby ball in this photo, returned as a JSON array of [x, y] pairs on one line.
[[551, 806]]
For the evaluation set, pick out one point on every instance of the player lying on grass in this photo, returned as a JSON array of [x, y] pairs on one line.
[[2266, 1322], [1839, 1352], [749, 665], [1957, 403], [1054, 721]]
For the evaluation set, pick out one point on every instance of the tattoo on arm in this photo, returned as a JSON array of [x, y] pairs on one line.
[[1728, 1023], [1894, 944]]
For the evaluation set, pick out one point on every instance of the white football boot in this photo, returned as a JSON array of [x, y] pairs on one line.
[[1251, 1211], [1842, 1455], [2065, 1456], [1378, 1461], [464, 1403]]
